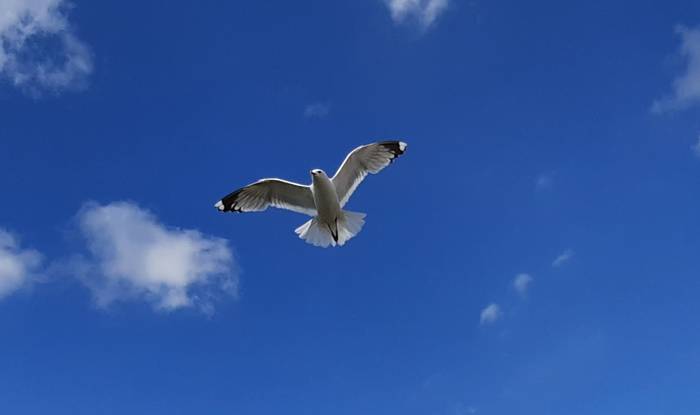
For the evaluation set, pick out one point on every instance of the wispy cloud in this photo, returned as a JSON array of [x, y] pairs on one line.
[[696, 148], [544, 182], [490, 314], [132, 256], [317, 110], [424, 12], [686, 87], [17, 266], [38, 47], [521, 283], [563, 258], [462, 409]]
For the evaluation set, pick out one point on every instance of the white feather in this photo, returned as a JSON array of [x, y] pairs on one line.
[[363, 160]]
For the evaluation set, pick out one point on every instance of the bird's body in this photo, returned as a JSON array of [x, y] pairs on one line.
[[324, 199]]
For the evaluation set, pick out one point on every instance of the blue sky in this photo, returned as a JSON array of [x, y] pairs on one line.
[[535, 250]]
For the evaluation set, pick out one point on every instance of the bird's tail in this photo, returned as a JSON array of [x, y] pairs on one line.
[[321, 234], [349, 225]]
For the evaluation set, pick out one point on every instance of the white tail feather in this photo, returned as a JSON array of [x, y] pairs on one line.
[[349, 225], [315, 233], [318, 234]]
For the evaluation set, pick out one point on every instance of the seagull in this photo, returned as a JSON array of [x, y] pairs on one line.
[[323, 199]]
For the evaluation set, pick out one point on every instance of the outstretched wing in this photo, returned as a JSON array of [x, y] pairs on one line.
[[370, 158], [278, 193]]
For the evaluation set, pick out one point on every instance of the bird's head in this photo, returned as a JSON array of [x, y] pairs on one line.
[[317, 173]]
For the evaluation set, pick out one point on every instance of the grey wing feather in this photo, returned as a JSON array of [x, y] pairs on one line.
[[370, 158], [277, 193]]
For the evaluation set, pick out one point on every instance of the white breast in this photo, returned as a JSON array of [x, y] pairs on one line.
[[325, 197]]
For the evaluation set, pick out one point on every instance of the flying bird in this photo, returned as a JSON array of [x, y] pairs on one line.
[[323, 199]]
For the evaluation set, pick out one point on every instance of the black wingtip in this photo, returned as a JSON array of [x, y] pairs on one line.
[[229, 203], [396, 147], [220, 206]]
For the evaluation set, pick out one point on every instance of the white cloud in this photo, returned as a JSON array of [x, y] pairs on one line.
[[686, 87], [133, 256], [521, 283], [38, 47], [563, 258], [461, 409], [317, 110], [490, 314], [544, 182], [17, 266], [425, 12], [696, 148]]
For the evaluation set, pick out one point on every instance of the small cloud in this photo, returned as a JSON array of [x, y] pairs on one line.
[[563, 258], [696, 148], [490, 314], [544, 182], [317, 110], [132, 256], [38, 47], [461, 409], [424, 12], [521, 283], [686, 87], [17, 266]]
